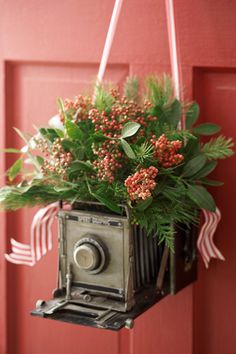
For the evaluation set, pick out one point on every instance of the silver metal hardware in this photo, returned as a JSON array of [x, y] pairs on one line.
[[55, 307], [87, 298], [129, 323], [68, 283], [39, 303]]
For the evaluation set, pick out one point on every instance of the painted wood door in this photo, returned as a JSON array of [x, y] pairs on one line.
[[52, 48]]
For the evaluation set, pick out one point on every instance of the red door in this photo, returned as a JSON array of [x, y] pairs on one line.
[[52, 48]]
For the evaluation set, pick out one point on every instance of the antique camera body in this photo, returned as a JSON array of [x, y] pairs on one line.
[[110, 271], [97, 249]]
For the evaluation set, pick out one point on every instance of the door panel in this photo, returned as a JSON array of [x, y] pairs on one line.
[[52, 48]]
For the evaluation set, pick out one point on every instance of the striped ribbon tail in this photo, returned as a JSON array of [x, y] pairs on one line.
[[40, 238], [205, 242]]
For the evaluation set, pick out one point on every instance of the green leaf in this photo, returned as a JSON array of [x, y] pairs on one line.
[[130, 129], [40, 160], [69, 145], [210, 182], [49, 133], [206, 170], [59, 132], [144, 204], [14, 151], [194, 165], [59, 189], [99, 137], [21, 135], [127, 149], [14, 169], [191, 149], [168, 115], [60, 104], [73, 131], [192, 115], [79, 153], [201, 197], [107, 202], [81, 165], [174, 114], [206, 129]]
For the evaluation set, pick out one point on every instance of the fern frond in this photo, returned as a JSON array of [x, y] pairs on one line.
[[218, 148]]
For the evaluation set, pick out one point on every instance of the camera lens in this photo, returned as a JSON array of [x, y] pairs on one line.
[[87, 257]]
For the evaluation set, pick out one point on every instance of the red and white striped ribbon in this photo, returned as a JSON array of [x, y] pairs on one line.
[[205, 242], [40, 238]]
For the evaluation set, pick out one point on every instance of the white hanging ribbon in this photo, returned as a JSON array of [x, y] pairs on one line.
[[205, 241], [109, 40], [175, 67]]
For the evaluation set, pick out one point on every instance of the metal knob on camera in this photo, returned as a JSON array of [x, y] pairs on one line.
[[89, 254]]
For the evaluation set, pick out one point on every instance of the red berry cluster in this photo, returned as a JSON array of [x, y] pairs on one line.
[[79, 108], [165, 151], [108, 160], [140, 184]]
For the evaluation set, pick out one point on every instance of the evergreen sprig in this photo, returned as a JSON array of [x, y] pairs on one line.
[[218, 148], [131, 88], [160, 90]]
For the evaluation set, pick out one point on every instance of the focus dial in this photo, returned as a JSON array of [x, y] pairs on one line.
[[90, 254], [87, 256]]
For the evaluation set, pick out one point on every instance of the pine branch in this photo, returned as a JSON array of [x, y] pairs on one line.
[[178, 134], [131, 88], [160, 91], [218, 148], [103, 99], [143, 152]]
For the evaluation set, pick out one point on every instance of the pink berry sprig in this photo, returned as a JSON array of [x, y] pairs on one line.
[[122, 111], [165, 151], [56, 159], [79, 107], [108, 160], [141, 183]]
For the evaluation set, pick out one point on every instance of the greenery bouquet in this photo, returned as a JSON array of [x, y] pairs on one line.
[[122, 149]]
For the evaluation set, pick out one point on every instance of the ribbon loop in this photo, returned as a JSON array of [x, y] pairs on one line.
[[40, 238], [205, 242]]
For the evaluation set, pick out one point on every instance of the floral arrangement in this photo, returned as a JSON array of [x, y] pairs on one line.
[[122, 150]]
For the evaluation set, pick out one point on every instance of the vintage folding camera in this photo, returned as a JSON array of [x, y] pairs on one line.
[[111, 271]]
